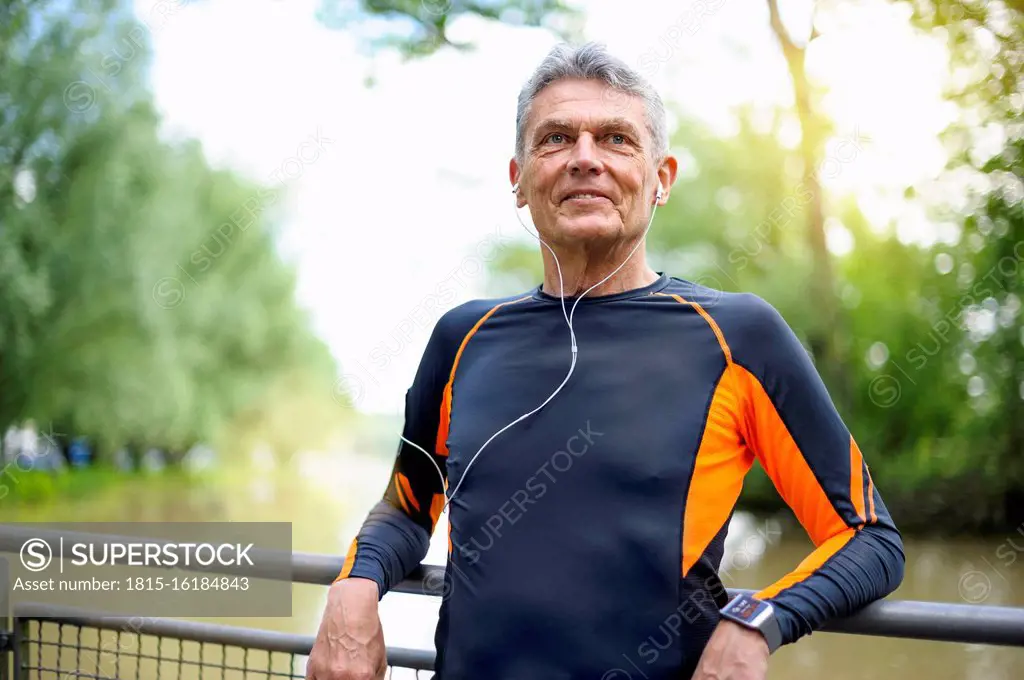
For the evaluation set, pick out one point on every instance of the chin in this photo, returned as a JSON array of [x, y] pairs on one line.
[[583, 227]]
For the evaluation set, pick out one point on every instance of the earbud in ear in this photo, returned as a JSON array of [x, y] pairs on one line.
[[515, 187], [657, 197]]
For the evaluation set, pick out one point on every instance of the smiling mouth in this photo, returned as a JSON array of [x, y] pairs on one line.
[[583, 197]]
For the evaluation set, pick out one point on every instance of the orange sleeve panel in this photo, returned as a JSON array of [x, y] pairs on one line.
[[396, 534], [786, 464], [742, 423], [790, 424], [789, 471], [722, 459], [722, 462]]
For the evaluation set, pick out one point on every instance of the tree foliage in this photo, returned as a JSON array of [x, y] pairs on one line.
[[421, 27], [142, 298], [932, 338]]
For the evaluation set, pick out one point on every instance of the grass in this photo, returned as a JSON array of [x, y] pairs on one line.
[[31, 488]]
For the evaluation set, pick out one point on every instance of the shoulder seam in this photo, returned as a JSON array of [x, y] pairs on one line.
[[710, 321]]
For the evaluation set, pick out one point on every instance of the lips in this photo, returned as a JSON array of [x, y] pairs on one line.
[[585, 194]]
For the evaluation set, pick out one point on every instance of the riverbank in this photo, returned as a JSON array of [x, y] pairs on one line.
[[37, 488]]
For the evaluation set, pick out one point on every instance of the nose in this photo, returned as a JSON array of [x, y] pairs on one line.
[[584, 158]]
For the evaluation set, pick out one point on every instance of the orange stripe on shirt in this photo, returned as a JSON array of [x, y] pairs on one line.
[[810, 565], [711, 322], [722, 459], [722, 462], [405, 486], [401, 497], [767, 436], [871, 498], [857, 479], [441, 445], [446, 399], [785, 464], [350, 560]]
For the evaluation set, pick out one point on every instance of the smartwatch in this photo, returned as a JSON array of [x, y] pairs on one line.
[[750, 612]]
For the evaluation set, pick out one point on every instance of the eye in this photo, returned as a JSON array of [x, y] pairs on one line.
[[556, 138], [617, 139]]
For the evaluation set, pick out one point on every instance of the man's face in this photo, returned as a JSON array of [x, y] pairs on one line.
[[588, 169]]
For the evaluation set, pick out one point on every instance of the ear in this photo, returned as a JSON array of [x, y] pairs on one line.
[[667, 170], [514, 174]]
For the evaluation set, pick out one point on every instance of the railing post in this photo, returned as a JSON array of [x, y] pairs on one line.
[[19, 634], [6, 647]]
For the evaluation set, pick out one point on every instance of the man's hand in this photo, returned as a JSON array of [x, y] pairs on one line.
[[350, 643], [733, 653]]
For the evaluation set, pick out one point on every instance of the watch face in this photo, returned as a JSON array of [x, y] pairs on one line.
[[745, 608]]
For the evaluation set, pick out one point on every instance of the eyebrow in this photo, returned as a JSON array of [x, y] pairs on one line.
[[555, 124]]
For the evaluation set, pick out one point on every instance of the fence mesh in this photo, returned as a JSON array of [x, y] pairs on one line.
[[63, 651]]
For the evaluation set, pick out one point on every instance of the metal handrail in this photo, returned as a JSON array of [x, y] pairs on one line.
[[213, 633], [912, 619], [938, 621]]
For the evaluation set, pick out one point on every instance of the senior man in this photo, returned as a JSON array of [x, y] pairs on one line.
[[591, 459]]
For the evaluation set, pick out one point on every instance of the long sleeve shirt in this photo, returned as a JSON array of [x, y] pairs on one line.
[[585, 542]]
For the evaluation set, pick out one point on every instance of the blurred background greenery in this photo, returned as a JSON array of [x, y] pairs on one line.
[[921, 345]]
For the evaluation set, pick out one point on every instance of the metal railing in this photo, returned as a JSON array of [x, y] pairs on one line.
[[48, 641], [62, 643]]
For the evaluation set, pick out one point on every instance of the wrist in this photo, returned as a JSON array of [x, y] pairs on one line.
[[754, 637], [357, 586]]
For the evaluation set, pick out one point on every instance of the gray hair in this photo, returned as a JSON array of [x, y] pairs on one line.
[[591, 61]]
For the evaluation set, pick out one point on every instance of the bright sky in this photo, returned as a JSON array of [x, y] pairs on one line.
[[408, 188]]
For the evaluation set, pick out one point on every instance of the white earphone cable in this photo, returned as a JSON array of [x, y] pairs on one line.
[[572, 337]]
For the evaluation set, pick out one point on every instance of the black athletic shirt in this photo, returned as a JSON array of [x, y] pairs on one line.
[[586, 540]]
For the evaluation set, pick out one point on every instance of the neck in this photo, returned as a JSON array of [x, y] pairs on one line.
[[583, 267]]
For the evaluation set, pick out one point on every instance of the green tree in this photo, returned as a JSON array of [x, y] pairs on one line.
[[931, 342], [419, 28], [826, 333], [142, 297], [968, 341]]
